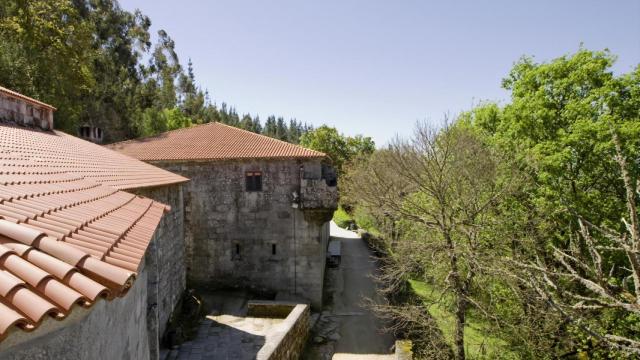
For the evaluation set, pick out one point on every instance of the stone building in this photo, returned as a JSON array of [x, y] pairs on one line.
[[24, 110], [256, 208], [89, 268], [91, 133]]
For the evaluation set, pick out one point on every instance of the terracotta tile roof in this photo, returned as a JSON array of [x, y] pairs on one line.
[[68, 236], [212, 141], [24, 98], [47, 152]]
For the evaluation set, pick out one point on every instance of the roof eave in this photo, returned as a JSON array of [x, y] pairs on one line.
[[247, 158], [19, 96]]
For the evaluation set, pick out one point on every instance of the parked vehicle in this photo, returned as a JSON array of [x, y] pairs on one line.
[[334, 253]]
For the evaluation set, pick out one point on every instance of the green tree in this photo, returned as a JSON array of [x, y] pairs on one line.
[[247, 123], [257, 125], [96, 63], [46, 53], [192, 100], [443, 187], [270, 127], [341, 149], [557, 129], [557, 126], [120, 40], [329, 141], [282, 132], [166, 65]]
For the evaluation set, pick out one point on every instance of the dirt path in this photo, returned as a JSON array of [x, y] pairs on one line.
[[349, 327]]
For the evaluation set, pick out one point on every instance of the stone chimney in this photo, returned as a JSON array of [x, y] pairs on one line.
[[25, 111]]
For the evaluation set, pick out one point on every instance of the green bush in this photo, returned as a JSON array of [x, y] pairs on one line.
[[365, 220], [341, 218]]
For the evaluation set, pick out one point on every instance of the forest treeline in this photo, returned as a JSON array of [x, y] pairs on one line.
[[512, 231], [96, 63]]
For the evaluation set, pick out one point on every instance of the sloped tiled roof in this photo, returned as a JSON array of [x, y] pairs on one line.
[[25, 98], [212, 141], [68, 236], [63, 153]]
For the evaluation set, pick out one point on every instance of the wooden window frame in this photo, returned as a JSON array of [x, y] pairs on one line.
[[253, 181]]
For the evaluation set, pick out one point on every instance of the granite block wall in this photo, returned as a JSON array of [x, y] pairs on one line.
[[166, 258], [128, 327], [265, 240], [287, 340]]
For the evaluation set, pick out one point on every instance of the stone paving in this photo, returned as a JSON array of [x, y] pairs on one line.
[[226, 337]]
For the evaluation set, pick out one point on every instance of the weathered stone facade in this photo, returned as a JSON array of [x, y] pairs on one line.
[[166, 262], [129, 327], [272, 240], [286, 341], [125, 328], [23, 111]]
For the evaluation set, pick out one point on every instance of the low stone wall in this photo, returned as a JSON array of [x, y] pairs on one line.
[[287, 341], [270, 309]]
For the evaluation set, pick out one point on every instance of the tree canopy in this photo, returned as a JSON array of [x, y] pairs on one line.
[[554, 261], [340, 148], [95, 62]]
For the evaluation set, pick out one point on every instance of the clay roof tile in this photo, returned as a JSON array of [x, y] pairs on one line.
[[212, 141], [68, 234]]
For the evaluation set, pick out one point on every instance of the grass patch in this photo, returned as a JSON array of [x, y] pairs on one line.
[[366, 221], [478, 344], [341, 218]]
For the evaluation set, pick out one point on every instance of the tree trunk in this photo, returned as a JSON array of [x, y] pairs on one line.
[[459, 290], [461, 309]]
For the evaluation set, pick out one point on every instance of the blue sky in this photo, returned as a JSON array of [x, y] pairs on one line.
[[376, 67]]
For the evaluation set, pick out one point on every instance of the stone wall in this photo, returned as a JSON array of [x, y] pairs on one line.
[[166, 257], [109, 330], [264, 240], [25, 113], [128, 327], [287, 340]]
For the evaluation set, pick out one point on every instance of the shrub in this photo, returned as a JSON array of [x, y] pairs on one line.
[[341, 218]]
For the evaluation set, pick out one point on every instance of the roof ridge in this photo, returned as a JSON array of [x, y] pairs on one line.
[[25, 97], [165, 132], [272, 138], [212, 141]]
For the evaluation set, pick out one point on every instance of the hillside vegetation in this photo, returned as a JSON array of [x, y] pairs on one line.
[[516, 225], [95, 62]]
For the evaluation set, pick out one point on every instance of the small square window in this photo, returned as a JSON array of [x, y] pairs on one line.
[[254, 180], [273, 249]]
